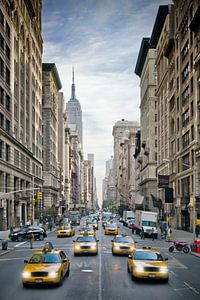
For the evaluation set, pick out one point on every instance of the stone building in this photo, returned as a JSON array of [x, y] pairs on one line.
[[124, 142], [20, 110], [50, 87], [145, 69]]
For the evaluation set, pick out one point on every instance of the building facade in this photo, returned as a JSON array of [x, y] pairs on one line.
[[20, 110], [51, 174], [145, 69]]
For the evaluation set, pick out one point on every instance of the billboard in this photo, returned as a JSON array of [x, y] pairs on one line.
[[163, 181]]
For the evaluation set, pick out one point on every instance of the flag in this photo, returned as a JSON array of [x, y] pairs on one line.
[[139, 199], [157, 202]]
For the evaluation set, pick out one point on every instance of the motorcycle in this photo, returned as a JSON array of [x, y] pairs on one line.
[[180, 246]]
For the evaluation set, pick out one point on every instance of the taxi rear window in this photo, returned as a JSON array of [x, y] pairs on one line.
[[111, 225]]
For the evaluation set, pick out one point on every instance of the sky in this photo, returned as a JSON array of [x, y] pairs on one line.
[[101, 39]]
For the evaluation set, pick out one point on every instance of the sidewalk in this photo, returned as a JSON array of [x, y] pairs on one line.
[[4, 236], [184, 236]]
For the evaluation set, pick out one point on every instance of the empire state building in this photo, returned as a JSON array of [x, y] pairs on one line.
[[74, 112]]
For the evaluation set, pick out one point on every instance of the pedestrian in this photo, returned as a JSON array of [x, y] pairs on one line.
[[50, 226], [142, 233], [169, 234], [197, 231], [153, 233], [132, 227], [31, 240], [11, 230]]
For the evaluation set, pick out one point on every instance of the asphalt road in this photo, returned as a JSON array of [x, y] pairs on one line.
[[102, 277]]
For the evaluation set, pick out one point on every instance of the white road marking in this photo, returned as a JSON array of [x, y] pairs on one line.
[[100, 278], [12, 258], [20, 244], [191, 288], [87, 271]]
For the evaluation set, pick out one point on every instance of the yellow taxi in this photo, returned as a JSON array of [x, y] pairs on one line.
[[111, 228], [47, 266], [122, 244], [85, 244], [89, 230], [147, 263], [65, 230]]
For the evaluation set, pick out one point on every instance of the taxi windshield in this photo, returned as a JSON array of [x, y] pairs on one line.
[[148, 255], [122, 239], [86, 239], [67, 227], [44, 258], [111, 225], [87, 229]]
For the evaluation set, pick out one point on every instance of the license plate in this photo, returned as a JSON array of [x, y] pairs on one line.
[[152, 276], [38, 280]]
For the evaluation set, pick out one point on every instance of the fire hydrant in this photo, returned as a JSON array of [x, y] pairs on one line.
[[4, 245]]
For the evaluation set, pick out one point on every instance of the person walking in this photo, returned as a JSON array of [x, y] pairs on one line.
[[153, 234], [132, 227], [197, 231], [142, 233]]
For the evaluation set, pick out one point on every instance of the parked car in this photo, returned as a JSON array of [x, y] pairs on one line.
[[25, 233]]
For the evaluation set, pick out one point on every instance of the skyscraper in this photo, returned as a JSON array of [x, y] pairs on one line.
[[74, 112]]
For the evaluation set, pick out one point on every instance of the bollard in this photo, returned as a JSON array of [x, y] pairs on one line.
[[4, 245]]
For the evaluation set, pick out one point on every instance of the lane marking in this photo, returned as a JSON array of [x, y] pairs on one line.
[[100, 278], [12, 258], [87, 271], [19, 245], [191, 288]]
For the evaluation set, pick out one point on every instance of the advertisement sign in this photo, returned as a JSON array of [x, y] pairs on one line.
[[163, 181]]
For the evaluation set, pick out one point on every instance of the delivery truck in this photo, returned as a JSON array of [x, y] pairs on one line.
[[128, 215], [148, 220]]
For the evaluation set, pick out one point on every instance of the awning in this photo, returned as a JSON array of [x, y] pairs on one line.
[[157, 202]]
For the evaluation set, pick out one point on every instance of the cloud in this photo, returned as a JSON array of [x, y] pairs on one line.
[[101, 39]]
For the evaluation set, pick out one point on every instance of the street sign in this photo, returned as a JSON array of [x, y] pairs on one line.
[[163, 181]]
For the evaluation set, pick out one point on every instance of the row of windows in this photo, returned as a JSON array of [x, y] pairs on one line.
[[5, 123], [4, 153], [5, 99], [4, 46], [4, 24], [4, 71]]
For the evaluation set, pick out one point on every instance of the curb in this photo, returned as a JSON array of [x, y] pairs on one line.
[[195, 254]]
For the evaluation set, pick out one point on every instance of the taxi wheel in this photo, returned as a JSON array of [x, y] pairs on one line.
[[166, 280], [25, 285], [68, 270], [128, 270], [132, 276]]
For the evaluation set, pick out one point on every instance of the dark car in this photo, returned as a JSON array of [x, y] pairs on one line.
[[25, 233]]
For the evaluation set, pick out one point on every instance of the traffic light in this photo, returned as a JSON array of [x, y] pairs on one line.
[[39, 195]]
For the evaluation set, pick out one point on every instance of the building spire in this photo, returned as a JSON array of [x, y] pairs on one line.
[[73, 96]]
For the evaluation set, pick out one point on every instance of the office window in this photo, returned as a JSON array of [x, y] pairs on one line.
[[7, 102], [16, 158], [7, 152], [192, 133], [1, 67], [185, 139], [1, 95], [185, 118], [7, 125], [7, 30], [1, 149], [1, 120], [1, 42], [7, 76], [7, 52], [1, 18]]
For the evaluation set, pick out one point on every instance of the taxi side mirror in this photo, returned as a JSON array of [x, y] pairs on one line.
[[97, 240], [135, 242], [25, 261], [166, 258], [130, 257], [74, 241], [65, 260], [112, 240]]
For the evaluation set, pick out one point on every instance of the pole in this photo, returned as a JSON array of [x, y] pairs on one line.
[[194, 200], [33, 207]]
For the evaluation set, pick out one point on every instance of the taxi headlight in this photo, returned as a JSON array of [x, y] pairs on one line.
[[77, 247], [116, 247], [26, 274], [139, 268], [53, 274], [93, 246], [132, 248], [163, 269]]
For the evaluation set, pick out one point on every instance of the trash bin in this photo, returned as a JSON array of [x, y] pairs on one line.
[[4, 245], [197, 245]]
